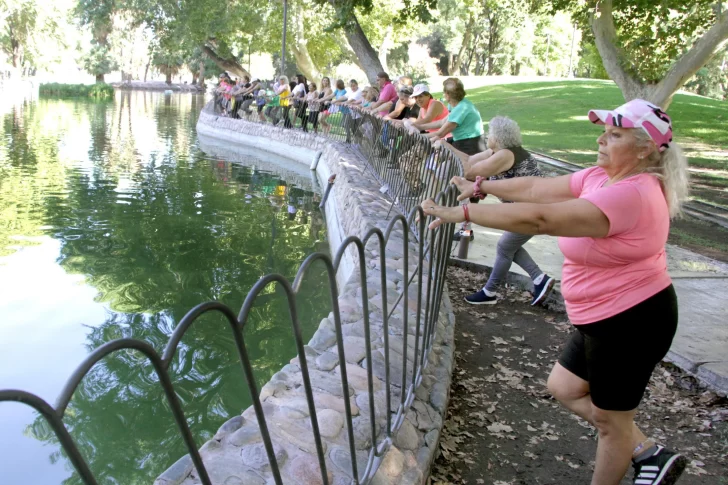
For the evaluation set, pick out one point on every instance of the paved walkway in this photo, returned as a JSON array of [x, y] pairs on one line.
[[701, 343]]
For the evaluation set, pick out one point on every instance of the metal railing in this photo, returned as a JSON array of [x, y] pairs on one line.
[[409, 169]]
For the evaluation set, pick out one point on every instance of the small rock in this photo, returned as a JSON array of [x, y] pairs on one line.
[[355, 329], [438, 396], [380, 403], [358, 378], [354, 349], [327, 324], [230, 426], [327, 361], [256, 457], [245, 436], [296, 434], [330, 422], [322, 339], [306, 471], [431, 438], [407, 437], [342, 460], [363, 431], [176, 474], [392, 463], [327, 401]]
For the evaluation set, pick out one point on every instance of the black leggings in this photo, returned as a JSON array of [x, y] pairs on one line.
[[286, 110], [618, 354], [312, 118]]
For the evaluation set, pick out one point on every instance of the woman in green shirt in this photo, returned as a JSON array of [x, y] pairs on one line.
[[463, 122]]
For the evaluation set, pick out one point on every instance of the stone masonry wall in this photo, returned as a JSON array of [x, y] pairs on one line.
[[236, 456]]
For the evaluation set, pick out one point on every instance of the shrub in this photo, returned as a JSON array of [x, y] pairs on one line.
[[96, 91]]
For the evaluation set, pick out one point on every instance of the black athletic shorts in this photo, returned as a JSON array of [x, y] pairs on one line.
[[471, 146], [617, 355]]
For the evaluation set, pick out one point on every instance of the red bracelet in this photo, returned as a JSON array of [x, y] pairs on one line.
[[466, 211], [476, 188]]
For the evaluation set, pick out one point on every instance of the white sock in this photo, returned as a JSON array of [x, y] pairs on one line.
[[539, 279], [489, 293]]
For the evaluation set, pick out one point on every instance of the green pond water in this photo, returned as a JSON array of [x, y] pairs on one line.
[[115, 220]]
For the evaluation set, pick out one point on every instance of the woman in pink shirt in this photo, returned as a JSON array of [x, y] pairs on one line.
[[613, 221]]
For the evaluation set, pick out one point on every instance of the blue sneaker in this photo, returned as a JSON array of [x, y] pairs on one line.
[[480, 298], [542, 290]]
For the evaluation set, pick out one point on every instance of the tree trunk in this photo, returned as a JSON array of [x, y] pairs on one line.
[[472, 51], [467, 36], [230, 65], [384, 47], [168, 76], [492, 42], [201, 77], [194, 78], [369, 61], [348, 51], [299, 48], [99, 78], [615, 60], [146, 69]]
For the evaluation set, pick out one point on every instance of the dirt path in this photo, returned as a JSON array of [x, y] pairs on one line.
[[503, 428]]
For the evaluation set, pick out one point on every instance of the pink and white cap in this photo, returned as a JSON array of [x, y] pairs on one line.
[[638, 113]]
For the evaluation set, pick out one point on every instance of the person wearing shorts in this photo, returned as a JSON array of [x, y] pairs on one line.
[[612, 221]]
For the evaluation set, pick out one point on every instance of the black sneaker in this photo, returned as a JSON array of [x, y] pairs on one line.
[[664, 467], [480, 298], [542, 290]]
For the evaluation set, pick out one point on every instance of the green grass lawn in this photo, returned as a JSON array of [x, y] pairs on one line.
[[553, 120]]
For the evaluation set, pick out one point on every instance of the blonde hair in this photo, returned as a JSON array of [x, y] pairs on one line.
[[671, 167], [505, 132], [454, 88]]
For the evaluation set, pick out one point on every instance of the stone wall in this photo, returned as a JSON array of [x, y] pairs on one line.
[[236, 456]]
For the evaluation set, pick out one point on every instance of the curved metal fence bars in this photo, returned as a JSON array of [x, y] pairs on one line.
[[409, 170]]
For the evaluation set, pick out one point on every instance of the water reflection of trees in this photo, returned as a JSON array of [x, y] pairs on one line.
[[173, 235]]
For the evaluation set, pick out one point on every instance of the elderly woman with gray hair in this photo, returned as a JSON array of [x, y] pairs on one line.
[[612, 220], [505, 158]]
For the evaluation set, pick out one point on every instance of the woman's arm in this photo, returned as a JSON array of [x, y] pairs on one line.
[[386, 106], [469, 160], [521, 189], [432, 125], [434, 112], [573, 218], [396, 112], [487, 163], [445, 129], [328, 97]]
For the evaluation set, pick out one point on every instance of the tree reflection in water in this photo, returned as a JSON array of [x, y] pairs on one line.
[[156, 233]]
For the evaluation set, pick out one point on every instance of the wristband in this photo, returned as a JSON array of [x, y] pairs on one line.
[[476, 188], [466, 211]]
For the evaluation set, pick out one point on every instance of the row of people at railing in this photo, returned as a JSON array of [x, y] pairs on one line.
[[453, 122]]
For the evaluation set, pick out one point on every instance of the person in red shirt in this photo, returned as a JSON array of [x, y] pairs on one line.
[[387, 94], [612, 221]]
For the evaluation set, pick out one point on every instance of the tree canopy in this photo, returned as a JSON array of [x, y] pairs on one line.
[[650, 49]]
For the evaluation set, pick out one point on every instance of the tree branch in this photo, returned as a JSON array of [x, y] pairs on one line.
[[231, 65], [299, 47], [614, 60], [690, 62]]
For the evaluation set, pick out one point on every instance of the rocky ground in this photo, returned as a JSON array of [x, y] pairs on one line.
[[503, 428]]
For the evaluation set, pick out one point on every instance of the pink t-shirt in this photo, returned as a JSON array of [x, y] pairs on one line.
[[389, 93], [606, 276]]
